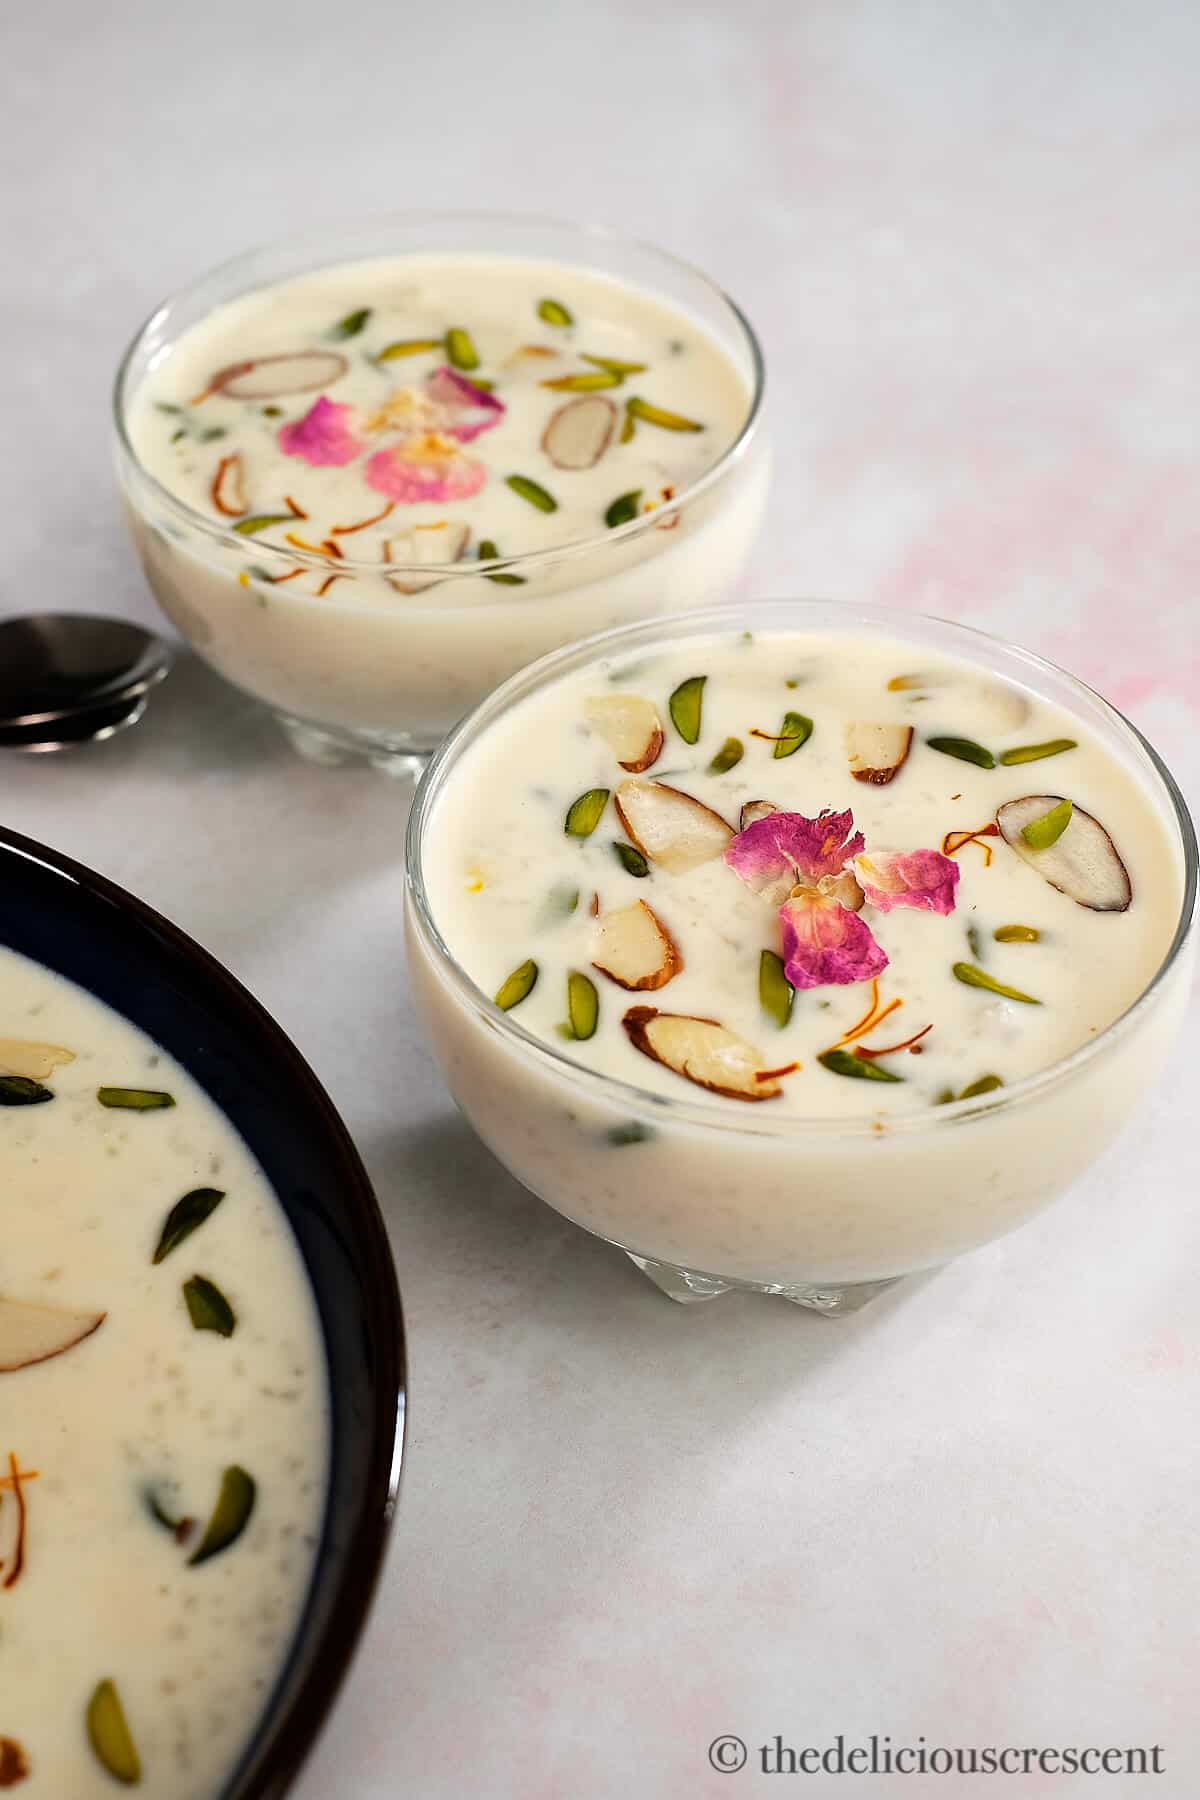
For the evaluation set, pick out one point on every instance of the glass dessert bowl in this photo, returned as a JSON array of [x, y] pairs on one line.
[[669, 890], [373, 472]]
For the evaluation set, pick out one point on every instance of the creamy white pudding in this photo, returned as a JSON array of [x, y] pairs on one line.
[[420, 472], [822, 883], [163, 1413]]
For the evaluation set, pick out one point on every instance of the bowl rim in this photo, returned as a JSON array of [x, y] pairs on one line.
[[265, 1770], [591, 233], [702, 1114]]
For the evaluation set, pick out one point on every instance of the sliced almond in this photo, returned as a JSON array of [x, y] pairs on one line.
[[630, 726], [633, 947], [33, 1334], [673, 829], [443, 543], [271, 377], [580, 432], [1083, 863], [876, 752], [20, 1056], [702, 1051], [228, 489], [755, 809]]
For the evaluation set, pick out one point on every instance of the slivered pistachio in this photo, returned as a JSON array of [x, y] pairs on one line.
[[22, 1090], [861, 1068], [554, 313], [1016, 934], [260, 521], [502, 577], [613, 364], [479, 382], [186, 1216], [583, 1005], [230, 1515], [775, 991], [588, 383], [623, 508], [632, 861], [132, 1099], [686, 707], [1035, 752], [158, 1512], [637, 408], [1039, 834], [408, 347], [970, 976], [795, 730], [634, 1132], [518, 986], [110, 1737], [460, 348], [627, 426], [947, 1094], [965, 749], [207, 1306], [584, 814], [561, 901], [974, 942], [532, 491], [728, 756], [352, 324], [984, 1085]]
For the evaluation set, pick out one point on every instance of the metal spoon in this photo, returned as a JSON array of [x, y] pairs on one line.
[[70, 678]]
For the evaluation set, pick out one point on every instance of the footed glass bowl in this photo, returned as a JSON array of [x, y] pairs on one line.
[[383, 664], [705, 1197]]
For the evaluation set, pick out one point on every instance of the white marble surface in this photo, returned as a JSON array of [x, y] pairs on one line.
[[970, 236]]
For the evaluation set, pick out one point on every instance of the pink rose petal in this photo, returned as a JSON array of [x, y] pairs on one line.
[[424, 468], [824, 943], [920, 878], [466, 409], [323, 436], [773, 852]]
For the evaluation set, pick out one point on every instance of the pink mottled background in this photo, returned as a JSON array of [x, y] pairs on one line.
[[969, 234]]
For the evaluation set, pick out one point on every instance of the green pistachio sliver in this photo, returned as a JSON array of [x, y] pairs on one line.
[[532, 491], [408, 347], [970, 976], [628, 426], [460, 348], [159, 1513], [229, 1516], [166, 407], [553, 312], [965, 749], [186, 1216], [1016, 934], [351, 325], [583, 1004], [131, 1099], [861, 1068], [110, 1737], [632, 861], [22, 1090], [518, 986], [974, 942], [686, 707], [728, 756], [619, 1136], [207, 1306], [502, 577], [945, 1098], [623, 508], [561, 901], [637, 408], [796, 730], [984, 1085], [775, 991], [613, 364], [583, 384], [584, 814], [1035, 752], [176, 436], [1039, 834], [260, 521]]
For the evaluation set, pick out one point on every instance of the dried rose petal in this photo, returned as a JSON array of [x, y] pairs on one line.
[[323, 436], [466, 409], [922, 878], [824, 943], [428, 467], [773, 851]]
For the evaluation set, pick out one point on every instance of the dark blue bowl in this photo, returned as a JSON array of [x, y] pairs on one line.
[[81, 926]]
